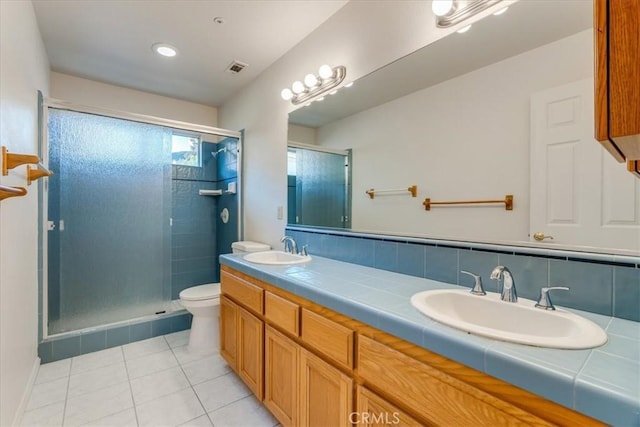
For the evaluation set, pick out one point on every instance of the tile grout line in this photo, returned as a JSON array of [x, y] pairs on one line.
[[133, 401], [66, 396], [190, 385]]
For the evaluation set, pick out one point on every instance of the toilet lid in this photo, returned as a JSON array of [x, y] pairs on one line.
[[197, 293]]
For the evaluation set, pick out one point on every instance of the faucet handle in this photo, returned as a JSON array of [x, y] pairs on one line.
[[304, 251], [477, 287], [544, 301]]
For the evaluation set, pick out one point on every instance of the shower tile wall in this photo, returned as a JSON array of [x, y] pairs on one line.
[[227, 174], [198, 233], [193, 234]]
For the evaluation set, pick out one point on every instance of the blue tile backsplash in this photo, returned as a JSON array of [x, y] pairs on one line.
[[608, 285]]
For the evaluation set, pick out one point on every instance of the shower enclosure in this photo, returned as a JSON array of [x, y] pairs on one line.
[[133, 214], [319, 186]]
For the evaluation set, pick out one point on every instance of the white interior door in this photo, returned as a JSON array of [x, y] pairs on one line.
[[579, 194]]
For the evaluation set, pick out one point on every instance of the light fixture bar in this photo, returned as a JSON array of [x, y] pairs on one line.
[[326, 85], [460, 13]]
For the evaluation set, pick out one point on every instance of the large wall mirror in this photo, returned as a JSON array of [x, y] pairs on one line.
[[505, 108]]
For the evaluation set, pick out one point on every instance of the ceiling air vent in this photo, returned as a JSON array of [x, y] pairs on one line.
[[235, 67]]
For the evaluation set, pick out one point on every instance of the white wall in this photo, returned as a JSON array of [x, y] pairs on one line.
[[464, 139], [303, 134], [96, 94], [363, 36], [24, 69]]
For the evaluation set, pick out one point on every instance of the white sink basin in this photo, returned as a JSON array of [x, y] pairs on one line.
[[276, 258], [517, 322]]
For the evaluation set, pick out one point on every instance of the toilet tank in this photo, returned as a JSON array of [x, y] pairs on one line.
[[248, 246]]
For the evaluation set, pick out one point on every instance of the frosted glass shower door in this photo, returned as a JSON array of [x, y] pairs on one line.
[[321, 188], [109, 254]]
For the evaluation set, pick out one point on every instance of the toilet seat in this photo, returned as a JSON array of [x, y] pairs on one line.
[[201, 292]]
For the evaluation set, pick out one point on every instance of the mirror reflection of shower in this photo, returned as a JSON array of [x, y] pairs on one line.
[[319, 186]]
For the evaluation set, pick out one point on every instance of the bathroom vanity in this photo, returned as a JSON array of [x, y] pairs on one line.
[[317, 354]]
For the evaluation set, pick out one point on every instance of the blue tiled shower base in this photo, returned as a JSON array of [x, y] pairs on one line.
[[600, 283], [75, 343]]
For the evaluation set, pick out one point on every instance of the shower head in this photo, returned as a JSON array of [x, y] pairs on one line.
[[221, 150], [233, 152]]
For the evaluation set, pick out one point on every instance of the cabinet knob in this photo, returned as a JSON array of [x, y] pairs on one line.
[[540, 236]]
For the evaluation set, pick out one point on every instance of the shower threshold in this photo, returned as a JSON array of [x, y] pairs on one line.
[[61, 328]]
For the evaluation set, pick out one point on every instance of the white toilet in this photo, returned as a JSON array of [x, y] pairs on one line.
[[203, 301]]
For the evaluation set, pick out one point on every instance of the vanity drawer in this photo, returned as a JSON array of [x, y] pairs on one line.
[[243, 292], [434, 396], [329, 338], [282, 313]]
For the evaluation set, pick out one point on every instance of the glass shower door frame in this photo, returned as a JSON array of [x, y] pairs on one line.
[[66, 105]]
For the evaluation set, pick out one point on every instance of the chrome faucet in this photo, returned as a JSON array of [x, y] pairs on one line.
[[290, 245], [544, 301], [506, 284]]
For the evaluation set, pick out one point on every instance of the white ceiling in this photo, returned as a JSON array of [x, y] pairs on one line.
[[110, 41]]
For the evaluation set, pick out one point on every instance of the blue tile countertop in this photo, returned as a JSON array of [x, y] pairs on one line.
[[603, 383]]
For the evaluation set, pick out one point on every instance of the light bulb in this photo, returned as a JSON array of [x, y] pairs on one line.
[[325, 72], [501, 11], [310, 81], [297, 87], [286, 94], [464, 29], [349, 84], [320, 99], [441, 7], [164, 49], [333, 92]]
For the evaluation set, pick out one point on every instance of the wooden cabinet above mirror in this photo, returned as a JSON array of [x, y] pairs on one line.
[[617, 43]]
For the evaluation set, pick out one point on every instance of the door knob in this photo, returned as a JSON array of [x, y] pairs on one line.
[[539, 236]]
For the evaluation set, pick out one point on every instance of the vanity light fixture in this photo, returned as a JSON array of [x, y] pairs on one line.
[[501, 11], [164, 49], [452, 12], [315, 86]]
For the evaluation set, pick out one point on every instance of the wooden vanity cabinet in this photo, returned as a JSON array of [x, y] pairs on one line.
[[281, 359], [325, 393], [617, 78], [250, 360], [316, 367], [229, 331], [242, 344], [373, 410], [242, 331]]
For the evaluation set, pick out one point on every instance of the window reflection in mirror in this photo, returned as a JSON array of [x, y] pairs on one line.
[[318, 187]]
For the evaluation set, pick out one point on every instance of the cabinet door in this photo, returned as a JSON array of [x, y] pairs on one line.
[[617, 25], [373, 410], [326, 394], [281, 377], [228, 331], [250, 351]]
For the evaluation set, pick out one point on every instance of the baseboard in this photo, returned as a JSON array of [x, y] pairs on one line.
[[17, 419]]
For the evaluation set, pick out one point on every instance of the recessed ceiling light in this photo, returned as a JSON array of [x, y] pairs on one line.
[[164, 49]]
